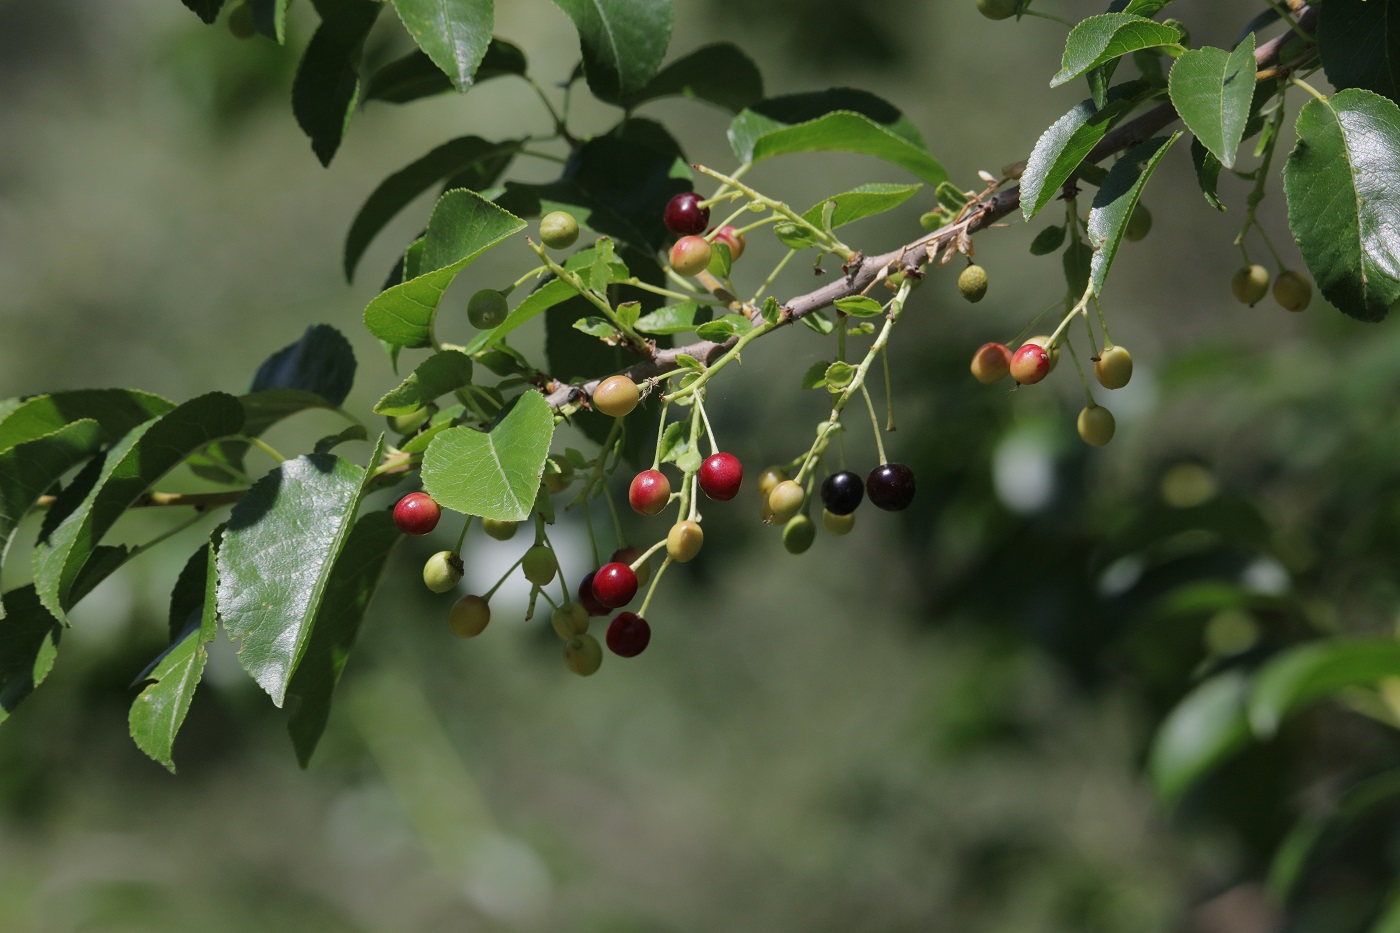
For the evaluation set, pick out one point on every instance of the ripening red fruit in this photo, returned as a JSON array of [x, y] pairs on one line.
[[417, 514], [649, 492], [731, 238], [614, 585], [991, 362], [690, 255], [586, 597], [720, 476], [1030, 364], [628, 635], [684, 215]]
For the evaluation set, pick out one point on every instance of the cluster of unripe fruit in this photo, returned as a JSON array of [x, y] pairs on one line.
[[1292, 290]]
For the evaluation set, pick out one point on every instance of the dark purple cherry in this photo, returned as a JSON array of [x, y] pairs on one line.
[[684, 215], [842, 492], [628, 635], [890, 486]]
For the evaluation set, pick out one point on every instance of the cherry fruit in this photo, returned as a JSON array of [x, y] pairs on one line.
[[501, 531], [539, 565], [558, 230], [684, 540], [649, 492], [842, 492], [614, 585], [690, 255], [1250, 284], [583, 655], [998, 9], [442, 571], [616, 396], [838, 524], [972, 283], [469, 616], [731, 238], [991, 362], [487, 309], [786, 500], [628, 635], [1096, 425], [417, 514], [586, 598], [684, 215], [628, 555], [890, 486], [720, 476], [1292, 291], [1139, 224], [1114, 368], [769, 479], [798, 534], [1030, 364], [569, 620]]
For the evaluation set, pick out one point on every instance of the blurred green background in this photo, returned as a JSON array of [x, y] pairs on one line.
[[937, 723]]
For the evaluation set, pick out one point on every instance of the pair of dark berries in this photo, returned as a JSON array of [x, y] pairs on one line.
[[613, 586], [890, 486]]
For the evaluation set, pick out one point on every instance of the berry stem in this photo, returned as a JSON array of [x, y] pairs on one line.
[[264, 446], [660, 436], [652, 588], [167, 533], [1287, 16], [772, 276], [728, 184], [598, 301], [647, 556], [826, 240], [592, 535], [1103, 326], [617, 522], [463, 536], [559, 125], [874, 423], [504, 577], [889, 391], [705, 417], [668, 293], [1079, 368]]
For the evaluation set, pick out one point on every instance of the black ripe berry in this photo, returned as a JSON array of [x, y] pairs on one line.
[[842, 492], [684, 215], [628, 635], [890, 486]]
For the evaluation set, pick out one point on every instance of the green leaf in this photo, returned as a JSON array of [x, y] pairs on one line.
[[439, 374], [599, 275], [1114, 203], [860, 306], [159, 711], [440, 422], [552, 292], [623, 43], [837, 376], [771, 311], [473, 162], [415, 76], [1207, 173], [327, 84], [1204, 729], [672, 319], [1342, 181], [1062, 148], [819, 322], [629, 313], [859, 203], [27, 469], [207, 10], [674, 442], [278, 554], [223, 462], [1212, 90], [321, 362], [1292, 856], [597, 327], [353, 581], [721, 329], [794, 236], [1359, 42], [720, 74], [1076, 260], [1048, 241], [453, 33], [463, 226], [29, 636], [815, 376], [131, 466], [116, 411], [1303, 676], [496, 474], [1109, 36], [270, 18], [838, 120]]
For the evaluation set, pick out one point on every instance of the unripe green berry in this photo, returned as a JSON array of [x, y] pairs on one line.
[[616, 396], [1292, 291], [1139, 224], [487, 309], [569, 620], [558, 230], [786, 500], [1250, 284], [998, 9], [539, 565], [768, 479], [442, 571], [240, 21], [798, 534], [972, 282], [501, 531], [838, 524], [583, 655], [557, 480], [690, 255], [683, 541], [1096, 425], [469, 616], [1114, 368]]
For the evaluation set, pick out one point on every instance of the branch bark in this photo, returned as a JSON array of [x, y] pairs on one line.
[[915, 254]]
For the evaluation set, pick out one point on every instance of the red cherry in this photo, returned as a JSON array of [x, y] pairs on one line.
[[614, 585], [587, 599], [628, 635], [731, 238], [690, 255], [720, 476], [649, 492], [628, 555], [1030, 364], [684, 215], [417, 514]]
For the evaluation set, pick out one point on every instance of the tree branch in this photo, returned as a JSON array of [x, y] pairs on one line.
[[868, 270]]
